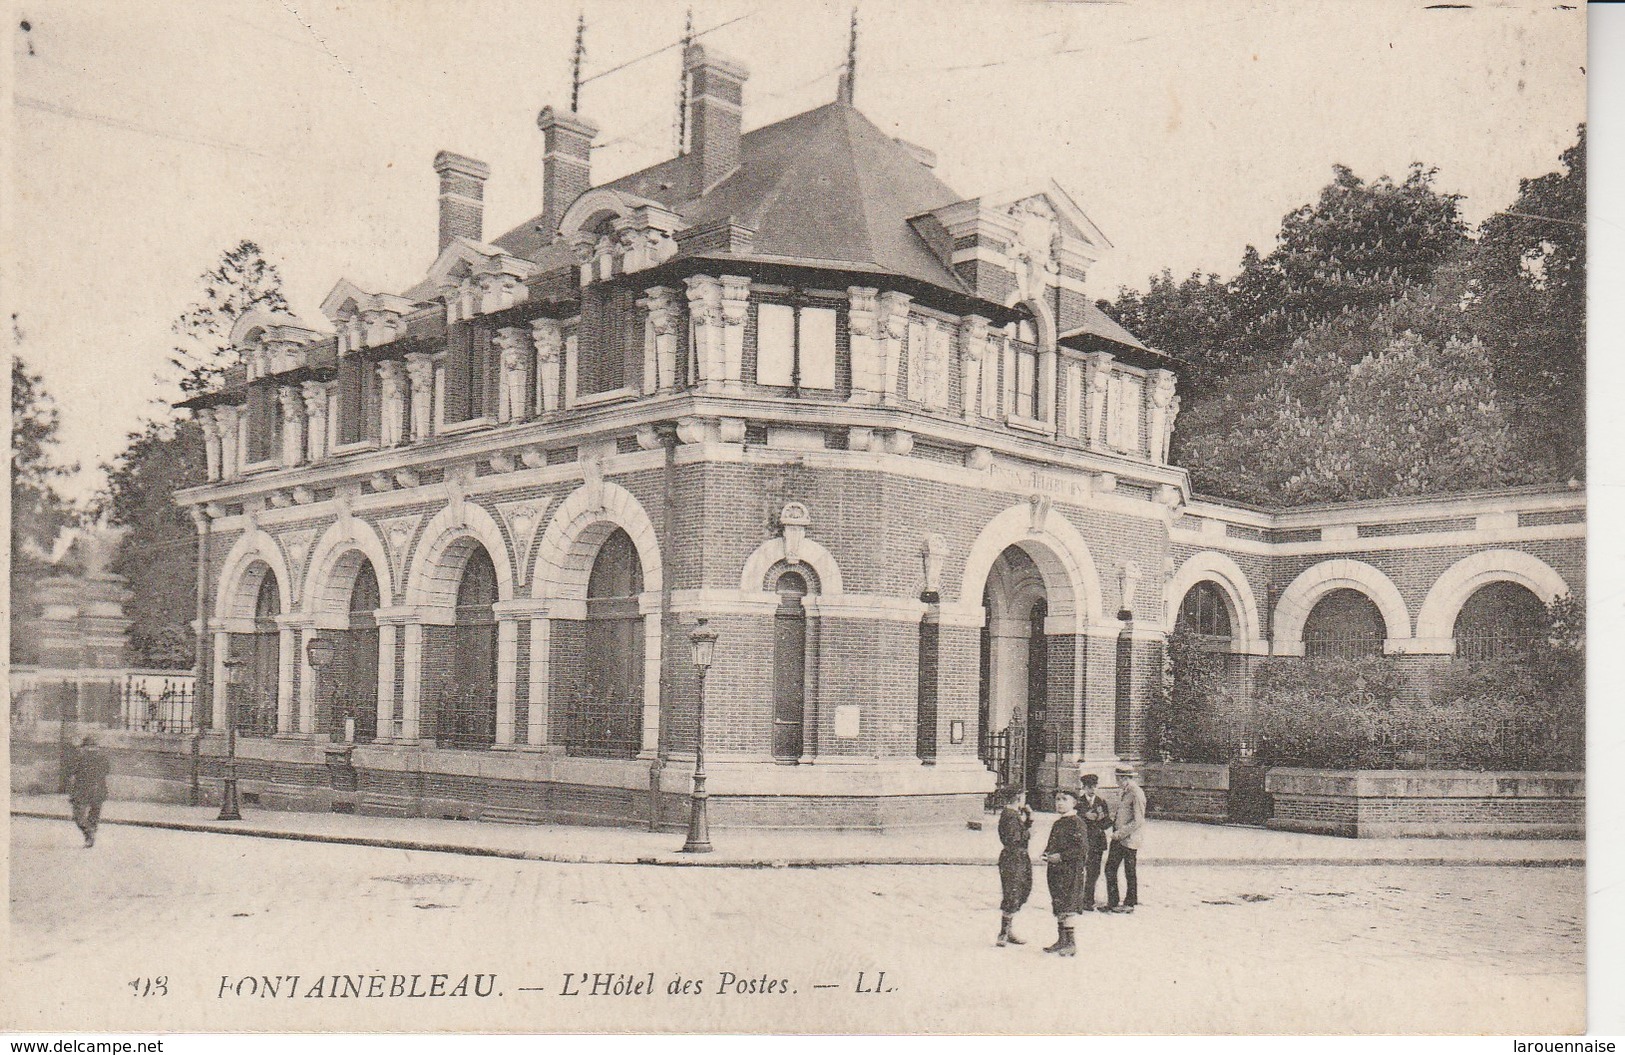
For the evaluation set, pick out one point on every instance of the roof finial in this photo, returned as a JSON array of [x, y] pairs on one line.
[[575, 62], [850, 77], [682, 87]]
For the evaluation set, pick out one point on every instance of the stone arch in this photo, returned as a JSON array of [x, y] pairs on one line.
[[1043, 319], [254, 552], [335, 563], [580, 525], [1299, 598], [1058, 549], [593, 207], [1437, 618], [1212, 566], [443, 548], [772, 552]]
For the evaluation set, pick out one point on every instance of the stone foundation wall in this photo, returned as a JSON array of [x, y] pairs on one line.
[[1385, 803], [1187, 791]]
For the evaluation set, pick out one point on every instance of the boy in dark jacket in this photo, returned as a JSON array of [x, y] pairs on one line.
[[1065, 854], [1015, 860], [1096, 815]]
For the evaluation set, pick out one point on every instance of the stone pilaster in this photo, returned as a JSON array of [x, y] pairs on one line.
[[1100, 381], [868, 353], [660, 346], [513, 403], [735, 309], [211, 441], [315, 397], [705, 308], [972, 346], [548, 336], [893, 321], [420, 375], [293, 424]]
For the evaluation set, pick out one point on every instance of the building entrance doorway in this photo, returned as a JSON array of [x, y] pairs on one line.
[[1017, 739]]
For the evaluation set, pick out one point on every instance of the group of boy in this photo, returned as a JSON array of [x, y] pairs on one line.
[[1088, 832]]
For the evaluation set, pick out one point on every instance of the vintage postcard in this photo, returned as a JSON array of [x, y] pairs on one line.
[[761, 517]]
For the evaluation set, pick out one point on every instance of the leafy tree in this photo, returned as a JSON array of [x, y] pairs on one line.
[[1526, 300], [242, 281], [158, 551], [38, 511]]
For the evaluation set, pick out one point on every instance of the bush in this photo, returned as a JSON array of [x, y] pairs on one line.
[[1334, 713], [1195, 715]]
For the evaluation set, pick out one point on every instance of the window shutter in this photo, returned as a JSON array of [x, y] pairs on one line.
[[457, 386], [372, 410], [818, 348]]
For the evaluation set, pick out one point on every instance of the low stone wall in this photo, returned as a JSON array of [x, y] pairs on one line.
[[1384, 803], [1188, 791]]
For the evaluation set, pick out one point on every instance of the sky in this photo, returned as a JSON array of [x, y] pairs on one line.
[[149, 137]]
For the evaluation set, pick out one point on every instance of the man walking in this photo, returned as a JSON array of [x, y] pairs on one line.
[[1096, 816], [87, 788], [1128, 827]]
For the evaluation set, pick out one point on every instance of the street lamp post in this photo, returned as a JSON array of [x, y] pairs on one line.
[[230, 806], [703, 642], [320, 650]]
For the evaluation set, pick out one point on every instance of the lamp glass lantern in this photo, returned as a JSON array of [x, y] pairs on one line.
[[702, 642]]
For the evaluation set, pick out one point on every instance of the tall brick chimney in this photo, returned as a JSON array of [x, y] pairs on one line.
[[462, 197], [566, 164], [716, 107]]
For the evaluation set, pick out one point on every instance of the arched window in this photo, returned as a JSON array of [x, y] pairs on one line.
[[356, 666], [1025, 347], [789, 667], [1501, 620], [1205, 612], [256, 709], [468, 709], [606, 719], [1346, 624]]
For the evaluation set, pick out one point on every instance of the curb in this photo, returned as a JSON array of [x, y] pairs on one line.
[[675, 861]]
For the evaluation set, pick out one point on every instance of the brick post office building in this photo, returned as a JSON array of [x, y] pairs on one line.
[[871, 429]]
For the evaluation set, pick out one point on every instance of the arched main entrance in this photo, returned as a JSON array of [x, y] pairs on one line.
[[1015, 699]]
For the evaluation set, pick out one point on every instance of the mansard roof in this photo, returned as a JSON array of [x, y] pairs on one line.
[[825, 185]]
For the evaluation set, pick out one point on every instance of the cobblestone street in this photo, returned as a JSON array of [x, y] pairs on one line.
[[1214, 949]]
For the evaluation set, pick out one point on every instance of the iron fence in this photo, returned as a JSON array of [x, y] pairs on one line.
[[466, 718], [603, 726]]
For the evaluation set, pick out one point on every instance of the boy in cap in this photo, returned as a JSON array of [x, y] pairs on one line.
[[1096, 814], [1064, 854], [1128, 826], [1015, 860]]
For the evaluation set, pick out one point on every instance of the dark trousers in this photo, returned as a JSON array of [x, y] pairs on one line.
[[1121, 854], [87, 815], [1091, 876]]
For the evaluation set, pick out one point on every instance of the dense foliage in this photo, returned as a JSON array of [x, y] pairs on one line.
[[38, 511], [1377, 350], [1523, 712], [1195, 716], [158, 550]]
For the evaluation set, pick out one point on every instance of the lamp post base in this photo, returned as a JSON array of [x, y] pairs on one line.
[[699, 820], [230, 804]]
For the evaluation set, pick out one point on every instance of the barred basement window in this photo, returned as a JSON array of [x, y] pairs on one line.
[[789, 667], [1345, 624], [606, 717], [1502, 620], [467, 709], [256, 708]]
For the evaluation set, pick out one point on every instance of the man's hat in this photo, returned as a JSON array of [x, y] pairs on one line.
[[1089, 780], [1127, 771]]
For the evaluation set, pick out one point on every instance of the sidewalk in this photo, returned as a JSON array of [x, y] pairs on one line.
[[1167, 842]]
